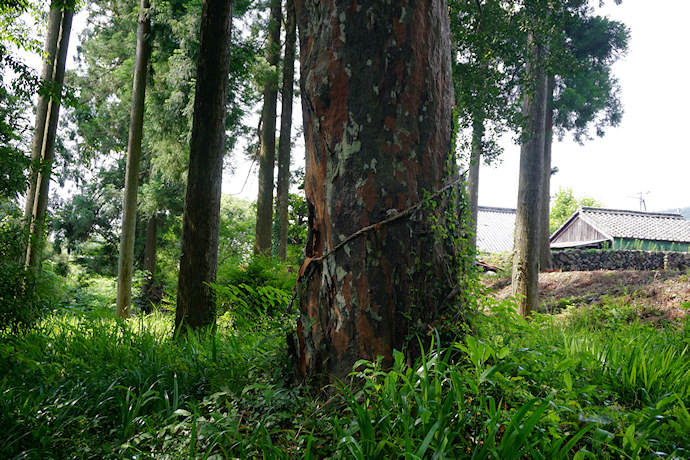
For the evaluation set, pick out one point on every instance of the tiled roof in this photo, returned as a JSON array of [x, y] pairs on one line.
[[638, 225], [495, 229]]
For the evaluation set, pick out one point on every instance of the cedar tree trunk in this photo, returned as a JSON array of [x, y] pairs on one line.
[[283, 188], [377, 101], [525, 280], [473, 178], [545, 262], [50, 51], [136, 126], [267, 157], [40, 204], [199, 252]]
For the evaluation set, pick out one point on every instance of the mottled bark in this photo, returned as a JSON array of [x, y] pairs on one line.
[[545, 244], [201, 220], [283, 188], [473, 178], [377, 103], [525, 280], [267, 156], [50, 53], [38, 215], [136, 127]]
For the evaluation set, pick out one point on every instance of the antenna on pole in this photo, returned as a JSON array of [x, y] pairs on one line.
[[640, 196]]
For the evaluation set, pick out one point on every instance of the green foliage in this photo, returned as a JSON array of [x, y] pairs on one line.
[[565, 204], [587, 386], [91, 215], [485, 71], [628, 379], [85, 384], [25, 295], [13, 104], [586, 92], [297, 222], [297, 228], [106, 58], [262, 286], [236, 234], [246, 303], [15, 32]]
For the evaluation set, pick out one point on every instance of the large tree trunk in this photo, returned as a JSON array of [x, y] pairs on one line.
[[283, 188], [545, 262], [377, 102], [201, 220], [40, 202], [473, 178], [50, 53], [136, 126], [525, 280], [267, 158]]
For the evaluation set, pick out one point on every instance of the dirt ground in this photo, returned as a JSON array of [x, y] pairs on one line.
[[657, 295]]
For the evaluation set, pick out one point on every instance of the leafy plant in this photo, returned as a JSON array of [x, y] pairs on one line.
[[25, 295], [565, 205]]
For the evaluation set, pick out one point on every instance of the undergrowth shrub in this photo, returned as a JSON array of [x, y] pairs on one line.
[[262, 286], [84, 385], [25, 295], [632, 381], [444, 409]]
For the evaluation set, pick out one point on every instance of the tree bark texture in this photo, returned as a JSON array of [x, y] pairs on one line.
[[377, 101], [40, 202], [201, 220], [283, 188], [545, 262], [525, 279], [473, 178], [267, 156], [50, 53], [136, 128]]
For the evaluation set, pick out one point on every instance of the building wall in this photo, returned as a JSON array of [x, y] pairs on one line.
[[591, 259], [578, 231], [645, 245]]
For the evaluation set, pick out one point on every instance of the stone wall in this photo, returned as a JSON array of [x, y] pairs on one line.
[[590, 259]]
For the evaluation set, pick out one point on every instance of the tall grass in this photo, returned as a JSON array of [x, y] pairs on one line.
[[77, 378], [92, 386]]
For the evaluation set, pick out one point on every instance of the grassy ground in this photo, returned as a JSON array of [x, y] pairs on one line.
[[592, 382]]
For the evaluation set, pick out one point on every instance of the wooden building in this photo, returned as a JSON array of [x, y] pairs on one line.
[[617, 229]]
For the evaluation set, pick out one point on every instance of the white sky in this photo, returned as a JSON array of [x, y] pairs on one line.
[[648, 152]]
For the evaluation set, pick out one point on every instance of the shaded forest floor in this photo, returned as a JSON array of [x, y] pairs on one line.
[[653, 296]]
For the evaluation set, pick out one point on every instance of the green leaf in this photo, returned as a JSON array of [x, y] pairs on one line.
[[568, 363], [568, 380]]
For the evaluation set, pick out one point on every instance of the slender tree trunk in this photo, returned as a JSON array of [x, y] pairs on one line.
[[525, 280], [150, 255], [286, 128], [50, 53], [377, 99], [136, 127], [473, 178], [37, 226], [545, 243], [267, 158], [201, 221]]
